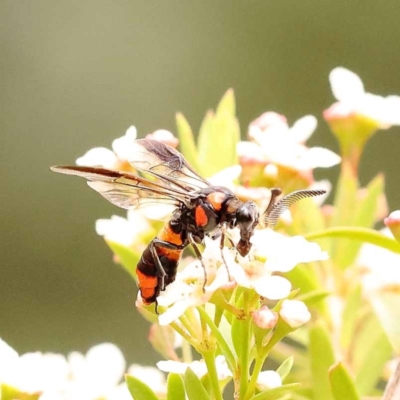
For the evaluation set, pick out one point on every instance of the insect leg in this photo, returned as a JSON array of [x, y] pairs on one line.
[[161, 274], [221, 246], [199, 257]]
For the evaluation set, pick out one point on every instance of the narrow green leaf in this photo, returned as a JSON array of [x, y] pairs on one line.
[[386, 304], [361, 234], [368, 206], [276, 393], [314, 297], [227, 104], [345, 206], [187, 142], [218, 137], [342, 385], [194, 388], [238, 330], [346, 197], [126, 256], [364, 217], [369, 343], [321, 358], [285, 368], [176, 388], [10, 393], [138, 389], [350, 316]]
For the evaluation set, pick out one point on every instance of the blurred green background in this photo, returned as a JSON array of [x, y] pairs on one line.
[[76, 74]]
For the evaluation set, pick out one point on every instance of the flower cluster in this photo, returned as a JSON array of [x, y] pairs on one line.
[[234, 310]]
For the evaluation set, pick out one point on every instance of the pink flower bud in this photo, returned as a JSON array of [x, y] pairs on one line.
[[393, 223], [265, 318]]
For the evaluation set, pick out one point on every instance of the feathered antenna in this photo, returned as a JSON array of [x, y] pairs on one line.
[[275, 209]]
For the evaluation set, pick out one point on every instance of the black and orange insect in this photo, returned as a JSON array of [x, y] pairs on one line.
[[198, 209]]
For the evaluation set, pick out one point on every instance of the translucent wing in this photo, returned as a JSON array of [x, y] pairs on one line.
[[275, 210], [127, 190], [166, 163]]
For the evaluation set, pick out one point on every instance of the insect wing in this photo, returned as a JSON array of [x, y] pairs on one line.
[[272, 213], [127, 190], [166, 163]]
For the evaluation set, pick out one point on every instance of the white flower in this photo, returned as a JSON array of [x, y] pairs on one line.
[[187, 289], [32, 372], [164, 136], [279, 254], [198, 367], [111, 159], [381, 267], [53, 377], [283, 253], [268, 380], [97, 374], [348, 89], [294, 312], [281, 145], [126, 231], [226, 177]]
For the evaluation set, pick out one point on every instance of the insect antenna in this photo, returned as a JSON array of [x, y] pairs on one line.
[[275, 209]]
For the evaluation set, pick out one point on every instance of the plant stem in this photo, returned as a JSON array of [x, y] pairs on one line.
[[223, 345], [209, 358], [244, 357]]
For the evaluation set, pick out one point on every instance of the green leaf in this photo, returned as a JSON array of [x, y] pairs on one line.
[[361, 234], [386, 304], [10, 393], [313, 297], [138, 389], [367, 207], [218, 137], [364, 217], [187, 142], [350, 316], [227, 104], [345, 203], [345, 206], [342, 385], [370, 343], [127, 257], [276, 393], [238, 327], [194, 388], [285, 368], [163, 339], [321, 358], [176, 388]]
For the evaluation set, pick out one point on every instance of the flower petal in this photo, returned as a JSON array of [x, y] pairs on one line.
[[346, 85], [274, 287]]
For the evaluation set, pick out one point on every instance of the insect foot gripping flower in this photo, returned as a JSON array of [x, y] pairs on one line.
[[358, 114], [116, 159], [294, 312], [281, 152], [188, 289], [278, 253]]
